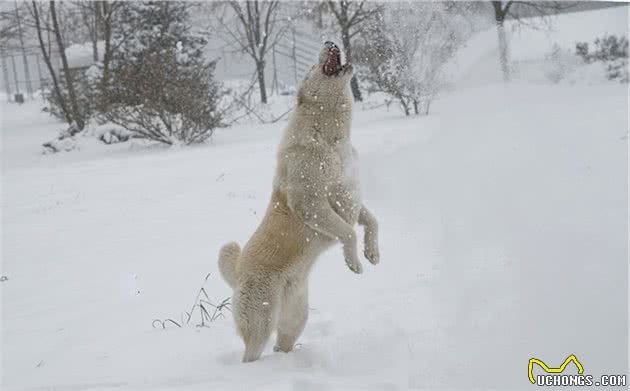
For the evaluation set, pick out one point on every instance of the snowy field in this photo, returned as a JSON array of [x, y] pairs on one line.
[[503, 219], [476, 64]]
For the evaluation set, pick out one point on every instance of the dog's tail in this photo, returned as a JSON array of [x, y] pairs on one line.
[[228, 256]]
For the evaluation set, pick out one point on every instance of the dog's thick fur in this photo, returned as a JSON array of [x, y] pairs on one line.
[[314, 203]]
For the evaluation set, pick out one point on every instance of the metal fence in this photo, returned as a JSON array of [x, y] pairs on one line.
[[286, 63], [23, 72], [300, 49]]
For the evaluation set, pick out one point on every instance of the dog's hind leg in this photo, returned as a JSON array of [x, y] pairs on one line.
[[293, 315], [255, 310]]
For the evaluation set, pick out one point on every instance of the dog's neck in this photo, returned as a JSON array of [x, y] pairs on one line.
[[324, 123]]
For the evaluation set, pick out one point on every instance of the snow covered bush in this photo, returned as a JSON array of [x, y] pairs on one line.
[[64, 142], [240, 103], [405, 50], [161, 86], [109, 133], [85, 81], [559, 64], [611, 51]]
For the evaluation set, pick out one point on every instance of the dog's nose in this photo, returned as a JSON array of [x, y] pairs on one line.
[[329, 45]]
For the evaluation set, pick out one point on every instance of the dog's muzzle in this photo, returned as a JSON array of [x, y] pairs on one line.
[[332, 65]]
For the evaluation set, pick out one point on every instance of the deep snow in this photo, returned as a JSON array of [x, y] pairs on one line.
[[476, 63], [503, 236]]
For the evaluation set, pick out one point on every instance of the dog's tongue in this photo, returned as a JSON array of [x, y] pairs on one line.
[[331, 64]]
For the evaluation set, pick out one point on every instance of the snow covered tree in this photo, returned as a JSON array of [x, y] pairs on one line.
[[63, 98], [58, 96], [350, 18], [254, 27], [405, 50], [161, 87], [107, 13], [501, 10], [610, 50], [517, 10]]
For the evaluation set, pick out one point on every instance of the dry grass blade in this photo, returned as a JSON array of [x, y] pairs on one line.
[[208, 311]]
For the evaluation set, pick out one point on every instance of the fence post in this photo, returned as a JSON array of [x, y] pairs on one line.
[[274, 83], [5, 74], [15, 76], [39, 72], [294, 54], [27, 73], [224, 61]]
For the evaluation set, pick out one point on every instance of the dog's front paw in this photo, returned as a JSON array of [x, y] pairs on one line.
[[371, 249], [354, 265], [371, 254]]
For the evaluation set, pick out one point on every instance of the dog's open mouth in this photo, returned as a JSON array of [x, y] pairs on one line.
[[332, 66]]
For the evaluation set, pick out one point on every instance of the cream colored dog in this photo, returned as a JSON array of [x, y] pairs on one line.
[[315, 202]]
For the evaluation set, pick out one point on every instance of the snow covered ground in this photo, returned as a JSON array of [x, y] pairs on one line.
[[529, 45], [503, 237]]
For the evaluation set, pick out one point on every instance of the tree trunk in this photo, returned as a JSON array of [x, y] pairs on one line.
[[347, 47], [427, 106], [503, 51], [96, 16], [354, 86], [62, 102], [66, 70], [106, 14], [405, 106], [27, 74], [94, 50], [501, 10], [260, 70]]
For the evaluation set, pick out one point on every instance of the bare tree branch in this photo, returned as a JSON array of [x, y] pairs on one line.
[[257, 31]]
